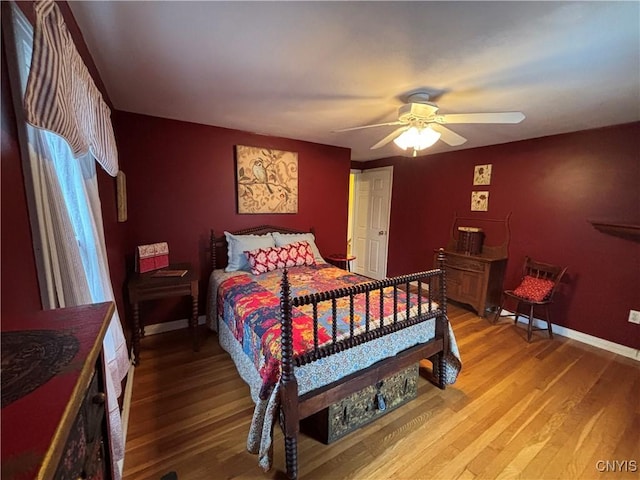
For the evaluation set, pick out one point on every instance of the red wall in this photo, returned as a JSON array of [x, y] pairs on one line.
[[20, 291], [181, 184], [552, 186]]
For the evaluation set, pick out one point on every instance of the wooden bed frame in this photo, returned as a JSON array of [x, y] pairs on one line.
[[295, 407]]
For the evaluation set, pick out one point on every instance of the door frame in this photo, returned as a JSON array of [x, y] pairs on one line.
[[353, 175], [354, 209]]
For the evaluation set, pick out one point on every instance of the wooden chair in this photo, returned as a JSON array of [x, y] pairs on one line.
[[537, 287]]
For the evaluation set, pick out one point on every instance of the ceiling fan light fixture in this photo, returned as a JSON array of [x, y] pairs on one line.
[[417, 138]]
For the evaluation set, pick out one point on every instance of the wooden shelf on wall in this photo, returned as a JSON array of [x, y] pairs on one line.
[[625, 230]]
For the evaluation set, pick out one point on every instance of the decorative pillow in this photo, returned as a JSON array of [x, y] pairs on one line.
[[536, 289], [238, 244], [264, 260], [283, 239]]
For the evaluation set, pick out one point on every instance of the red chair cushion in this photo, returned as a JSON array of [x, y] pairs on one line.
[[536, 289]]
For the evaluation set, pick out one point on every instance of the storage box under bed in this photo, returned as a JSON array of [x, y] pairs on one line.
[[361, 408]]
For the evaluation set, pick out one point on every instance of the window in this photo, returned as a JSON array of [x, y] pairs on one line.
[[66, 219], [71, 176]]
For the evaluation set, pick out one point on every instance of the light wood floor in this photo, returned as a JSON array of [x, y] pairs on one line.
[[549, 409]]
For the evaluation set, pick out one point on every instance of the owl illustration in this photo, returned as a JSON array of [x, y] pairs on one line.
[[261, 174]]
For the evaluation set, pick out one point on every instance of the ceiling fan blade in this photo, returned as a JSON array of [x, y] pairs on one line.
[[390, 137], [448, 136], [501, 117], [369, 126]]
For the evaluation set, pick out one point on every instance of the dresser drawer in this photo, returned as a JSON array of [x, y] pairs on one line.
[[74, 456], [94, 409], [465, 264], [84, 453]]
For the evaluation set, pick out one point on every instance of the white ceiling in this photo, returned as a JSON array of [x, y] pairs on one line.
[[302, 69]]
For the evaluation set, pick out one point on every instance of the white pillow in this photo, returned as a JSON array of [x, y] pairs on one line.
[[282, 239], [238, 244]]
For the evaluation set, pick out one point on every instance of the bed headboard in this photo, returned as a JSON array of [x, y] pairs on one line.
[[218, 244]]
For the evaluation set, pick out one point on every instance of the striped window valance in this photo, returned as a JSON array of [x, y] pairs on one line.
[[61, 95]]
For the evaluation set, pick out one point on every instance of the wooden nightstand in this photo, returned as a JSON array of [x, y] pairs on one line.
[[151, 286], [341, 260]]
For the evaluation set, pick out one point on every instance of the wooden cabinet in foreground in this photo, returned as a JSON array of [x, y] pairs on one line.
[[54, 421]]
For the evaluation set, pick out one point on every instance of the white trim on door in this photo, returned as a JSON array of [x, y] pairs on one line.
[[371, 248]]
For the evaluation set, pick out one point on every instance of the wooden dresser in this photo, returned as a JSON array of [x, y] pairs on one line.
[[477, 280], [54, 424]]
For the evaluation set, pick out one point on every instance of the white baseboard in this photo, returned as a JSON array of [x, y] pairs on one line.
[[170, 326], [623, 350], [126, 400], [126, 408]]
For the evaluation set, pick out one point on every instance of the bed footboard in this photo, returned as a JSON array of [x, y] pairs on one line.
[[437, 349], [289, 384]]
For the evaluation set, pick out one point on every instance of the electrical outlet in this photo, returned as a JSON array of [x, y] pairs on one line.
[[634, 316]]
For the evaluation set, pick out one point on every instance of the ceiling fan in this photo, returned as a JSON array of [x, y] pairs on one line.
[[421, 125]]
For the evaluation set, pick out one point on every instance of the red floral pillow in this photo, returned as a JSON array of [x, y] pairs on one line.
[[536, 289], [298, 253], [264, 260]]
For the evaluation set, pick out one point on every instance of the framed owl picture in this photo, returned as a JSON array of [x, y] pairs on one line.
[[266, 180]]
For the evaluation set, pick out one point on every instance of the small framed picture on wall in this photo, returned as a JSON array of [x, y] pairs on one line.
[[479, 201], [482, 175]]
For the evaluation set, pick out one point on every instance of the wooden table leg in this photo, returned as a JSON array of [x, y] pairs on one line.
[[136, 334], [193, 323]]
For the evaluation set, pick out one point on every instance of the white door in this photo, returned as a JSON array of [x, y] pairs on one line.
[[371, 221]]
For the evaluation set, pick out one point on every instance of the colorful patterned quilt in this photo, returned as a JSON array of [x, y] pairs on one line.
[[250, 306]]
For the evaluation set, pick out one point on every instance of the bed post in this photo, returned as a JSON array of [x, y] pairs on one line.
[[442, 322], [212, 245], [288, 382]]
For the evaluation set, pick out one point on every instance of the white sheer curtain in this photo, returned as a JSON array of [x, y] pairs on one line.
[[70, 235], [77, 248]]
